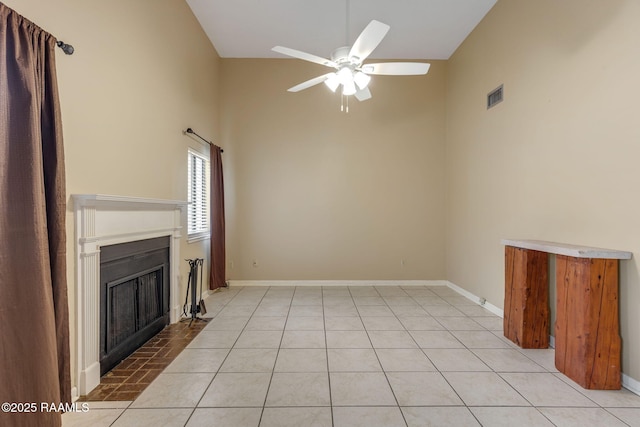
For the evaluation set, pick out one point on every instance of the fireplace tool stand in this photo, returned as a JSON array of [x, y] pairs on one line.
[[195, 306]]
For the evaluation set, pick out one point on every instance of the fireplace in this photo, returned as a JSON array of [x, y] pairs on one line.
[[103, 221], [134, 297]]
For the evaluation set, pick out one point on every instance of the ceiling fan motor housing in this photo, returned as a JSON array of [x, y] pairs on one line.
[[341, 57]]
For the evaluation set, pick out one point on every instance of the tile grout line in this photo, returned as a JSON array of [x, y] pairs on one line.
[[215, 374], [384, 372], [326, 352], [273, 369]]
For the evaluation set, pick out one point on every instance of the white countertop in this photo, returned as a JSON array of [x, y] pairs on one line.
[[566, 249]]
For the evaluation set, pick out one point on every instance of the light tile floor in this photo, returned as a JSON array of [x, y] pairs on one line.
[[359, 356]]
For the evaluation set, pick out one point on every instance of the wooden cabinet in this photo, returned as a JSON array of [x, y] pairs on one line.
[[587, 324], [587, 329], [526, 300]]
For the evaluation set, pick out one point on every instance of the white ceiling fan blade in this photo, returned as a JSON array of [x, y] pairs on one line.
[[368, 40], [363, 94], [305, 56], [397, 68], [314, 81]]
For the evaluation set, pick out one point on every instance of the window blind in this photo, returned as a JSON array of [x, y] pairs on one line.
[[198, 211]]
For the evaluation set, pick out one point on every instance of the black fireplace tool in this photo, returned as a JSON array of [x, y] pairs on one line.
[[192, 284], [201, 306]]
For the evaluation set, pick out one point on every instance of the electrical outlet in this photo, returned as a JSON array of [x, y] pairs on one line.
[[231, 265], [255, 263], [402, 263]]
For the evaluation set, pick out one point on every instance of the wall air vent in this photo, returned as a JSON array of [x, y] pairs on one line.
[[495, 97]]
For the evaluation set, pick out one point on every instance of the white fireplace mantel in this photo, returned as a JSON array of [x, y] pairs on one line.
[[102, 220]]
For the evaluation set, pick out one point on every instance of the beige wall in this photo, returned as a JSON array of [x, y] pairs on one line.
[[322, 194], [313, 193], [558, 159], [143, 71]]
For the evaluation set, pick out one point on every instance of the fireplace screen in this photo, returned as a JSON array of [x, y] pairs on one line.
[[134, 295]]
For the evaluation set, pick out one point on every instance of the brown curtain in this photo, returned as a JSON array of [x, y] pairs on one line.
[[218, 272], [34, 322]]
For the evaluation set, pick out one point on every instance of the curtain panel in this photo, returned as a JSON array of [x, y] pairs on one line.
[[34, 323], [218, 261]]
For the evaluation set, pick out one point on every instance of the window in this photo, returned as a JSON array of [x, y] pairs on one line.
[[198, 196]]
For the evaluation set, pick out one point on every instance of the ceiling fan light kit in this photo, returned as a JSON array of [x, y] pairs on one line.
[[351, 73], [361, 79], [332, 82]]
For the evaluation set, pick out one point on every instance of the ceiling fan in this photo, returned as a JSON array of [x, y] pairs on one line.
[[351, 73]]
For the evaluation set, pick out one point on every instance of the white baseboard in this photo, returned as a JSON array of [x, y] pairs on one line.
[[207, 292], [480, 301], [233, 283], [630, 384]]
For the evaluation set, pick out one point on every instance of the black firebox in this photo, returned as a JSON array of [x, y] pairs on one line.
[[134, 297]]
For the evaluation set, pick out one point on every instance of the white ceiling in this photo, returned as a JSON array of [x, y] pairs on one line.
[[420, 29]]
